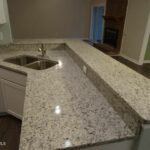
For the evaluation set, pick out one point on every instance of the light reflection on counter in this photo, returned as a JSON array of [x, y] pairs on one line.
[[59, 65], [57, 110], [67, 143]]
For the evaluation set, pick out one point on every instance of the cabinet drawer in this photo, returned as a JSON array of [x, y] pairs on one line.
[[16, 77]]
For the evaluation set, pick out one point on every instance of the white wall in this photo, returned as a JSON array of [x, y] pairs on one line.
[[135, 27], [5, 29]]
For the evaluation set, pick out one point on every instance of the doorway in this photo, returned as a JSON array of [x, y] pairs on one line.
[[97, 24]]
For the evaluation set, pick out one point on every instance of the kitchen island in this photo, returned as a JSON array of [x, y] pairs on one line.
[[62, 106]]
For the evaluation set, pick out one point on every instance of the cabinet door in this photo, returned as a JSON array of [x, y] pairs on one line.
[[2, 12], [13, 95]]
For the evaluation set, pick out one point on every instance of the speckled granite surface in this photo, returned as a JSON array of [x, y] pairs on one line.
[[132, 87], [130, 117], [63, 108]]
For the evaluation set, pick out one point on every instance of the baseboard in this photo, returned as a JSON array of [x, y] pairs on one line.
[[14, 114], [130, 59], [146, 61]]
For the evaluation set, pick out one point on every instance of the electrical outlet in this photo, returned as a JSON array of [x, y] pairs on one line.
[[1, 36], [85, 69]]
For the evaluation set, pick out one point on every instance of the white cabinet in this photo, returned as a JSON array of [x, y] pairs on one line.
[[12, 92], [2, 12], [13, 96]]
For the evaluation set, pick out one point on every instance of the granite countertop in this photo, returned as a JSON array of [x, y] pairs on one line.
[[132, 87], [62, 107]]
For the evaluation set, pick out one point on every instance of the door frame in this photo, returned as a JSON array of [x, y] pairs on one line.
[[91, 24]]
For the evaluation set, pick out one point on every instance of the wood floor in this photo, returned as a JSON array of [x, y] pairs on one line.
[[10, 129], [144, 69]]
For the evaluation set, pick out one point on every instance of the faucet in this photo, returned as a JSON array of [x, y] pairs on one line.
[[43, 50]]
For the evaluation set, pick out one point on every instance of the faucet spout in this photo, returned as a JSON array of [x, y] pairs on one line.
[[43, 50]]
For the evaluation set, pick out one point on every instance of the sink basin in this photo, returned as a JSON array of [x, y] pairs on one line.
[[32, 62], [42, 64], [22, 60]]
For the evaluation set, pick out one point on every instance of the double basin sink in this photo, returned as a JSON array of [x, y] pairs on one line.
[[32, 62]]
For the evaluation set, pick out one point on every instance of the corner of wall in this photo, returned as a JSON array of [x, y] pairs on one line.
[[145, 54]]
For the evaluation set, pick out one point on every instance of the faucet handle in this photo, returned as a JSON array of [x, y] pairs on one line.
[[39, 49]]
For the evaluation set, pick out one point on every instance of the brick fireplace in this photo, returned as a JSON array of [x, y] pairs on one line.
[[111, 37]]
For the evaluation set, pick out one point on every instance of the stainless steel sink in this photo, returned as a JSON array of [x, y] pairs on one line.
[[32, 62], [21, 60], [42, 64]]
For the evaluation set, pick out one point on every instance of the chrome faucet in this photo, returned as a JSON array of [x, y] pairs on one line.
[[43, 50]]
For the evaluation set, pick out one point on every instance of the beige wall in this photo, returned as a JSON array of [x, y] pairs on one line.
[[50, 18], [135, 27], [5, 29]]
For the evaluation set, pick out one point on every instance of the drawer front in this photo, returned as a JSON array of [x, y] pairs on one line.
[[13, 76]]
